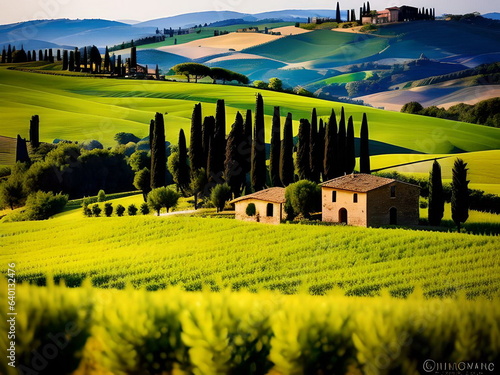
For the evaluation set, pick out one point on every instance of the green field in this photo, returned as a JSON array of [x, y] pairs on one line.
[[345, 78], [192, 252], [85, 108]]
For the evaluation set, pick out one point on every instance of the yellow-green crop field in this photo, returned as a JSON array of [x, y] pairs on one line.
[[194, 253], [95, 331]]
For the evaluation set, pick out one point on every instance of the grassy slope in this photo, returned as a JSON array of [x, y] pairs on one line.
[[345, 78], [83, 108], [191, 252]]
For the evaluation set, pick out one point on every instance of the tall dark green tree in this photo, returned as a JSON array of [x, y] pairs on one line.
[[459, 193], [368, 10], [65, 60], [274, 158], [196, 156], [85, 58], [9, 54], [320, 145], [364, 148], [77, 60], [21, 150], [107, 60], [184, 172], [287, 172], [330, 158], [219, 140], [337, 16], [246, 148], [258, 172], [436, 196], [233, 172], [350, 151], [158, 153], [71, 61], [151, 132], [341, 143], [133, 58], [95, 60], [208, 133], [314, 163], [303, 146], [35, 131], [4, 56]]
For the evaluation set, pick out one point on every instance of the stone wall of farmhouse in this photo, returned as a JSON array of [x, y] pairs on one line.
[[261, 211]]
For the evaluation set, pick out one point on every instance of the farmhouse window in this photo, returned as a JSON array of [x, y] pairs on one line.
[[355, 198], [334, 196], [393, 191], [270, 210]]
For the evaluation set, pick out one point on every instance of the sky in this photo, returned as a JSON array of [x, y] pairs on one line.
[[25, 10]]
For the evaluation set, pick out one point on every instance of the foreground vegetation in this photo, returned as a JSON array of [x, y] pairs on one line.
[[174, 332], [192, 252]]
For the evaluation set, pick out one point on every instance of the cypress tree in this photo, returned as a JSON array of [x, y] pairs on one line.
[[320, 146], [219, 138], [364, 9], [58, 55], [28, 56], [364, 149], [208, 133], [119, 65], [459, 193], [4, 56], [258, 172], [35, 131], [107, 62], [341, 143], [247, 146], [314, 164], [40, 55], [133, 58], [21, 150], [349, 148], [233, 172], [33, 55], [77, 60], [157, 72], [286, 155], [368, 10], [337, 18], [436, 196], [158, 157], [65, 60], [9, 54], [71, 61], [196, 156], [151, 132], [184, 176], [85, 58], [274, 158], [303, 150], [360, 14], [330, 158]]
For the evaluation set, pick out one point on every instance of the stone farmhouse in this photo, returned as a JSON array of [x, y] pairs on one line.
[[355, 199], [269, 206]]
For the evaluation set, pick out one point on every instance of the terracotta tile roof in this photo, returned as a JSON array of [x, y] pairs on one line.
[[274, 195], [359, 182]]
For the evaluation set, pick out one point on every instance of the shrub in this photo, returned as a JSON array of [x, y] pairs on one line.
[[275, 84], [92, 144], [144, 209], [302, 198], [132, 210], [260, 84], [101, 196], [87, 211], [12, 192], [108, 209], [96, 210], [124, 138], [250, 210], [42, 205], [120, 210], [220, 195], [162, 197]]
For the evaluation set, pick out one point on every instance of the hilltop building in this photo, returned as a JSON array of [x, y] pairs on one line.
[[404, 13], [355, 199]]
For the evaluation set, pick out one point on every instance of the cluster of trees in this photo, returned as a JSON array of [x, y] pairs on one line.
[[11, 55], [199, 71], [486, 112], [96, 210], [459, 194], [324, 150]]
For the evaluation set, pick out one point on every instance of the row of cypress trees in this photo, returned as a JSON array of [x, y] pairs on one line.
[[240, 159]]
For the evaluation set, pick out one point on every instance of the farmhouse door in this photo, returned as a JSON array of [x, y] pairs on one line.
[[343, 215], [393, 214]]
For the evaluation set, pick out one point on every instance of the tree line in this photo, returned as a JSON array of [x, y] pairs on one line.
[[323, 150], [199, 71]]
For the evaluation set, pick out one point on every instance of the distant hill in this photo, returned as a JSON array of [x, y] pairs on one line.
[[492, 16]]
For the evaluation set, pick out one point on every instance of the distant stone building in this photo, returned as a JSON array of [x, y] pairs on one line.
[[269, 206], [369, 201]]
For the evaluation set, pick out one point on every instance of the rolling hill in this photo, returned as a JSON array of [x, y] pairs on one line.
[[83, 108]]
